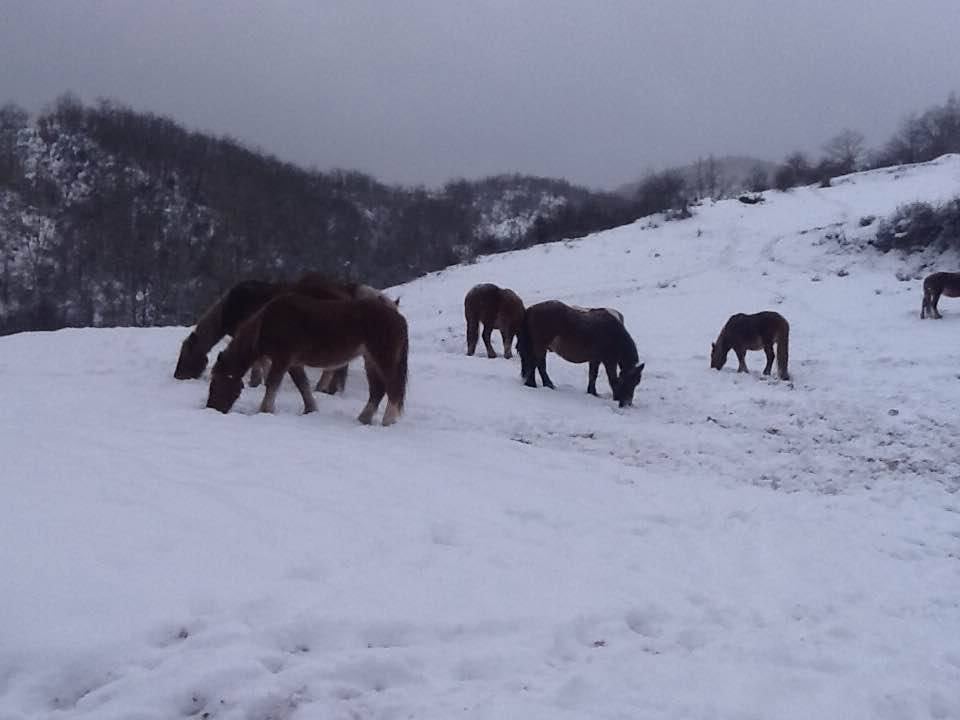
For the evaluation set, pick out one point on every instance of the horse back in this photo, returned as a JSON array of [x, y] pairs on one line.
[[243, 300], [752, 331], [326, 332]]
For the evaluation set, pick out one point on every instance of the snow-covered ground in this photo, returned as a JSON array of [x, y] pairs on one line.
[[731, 547]]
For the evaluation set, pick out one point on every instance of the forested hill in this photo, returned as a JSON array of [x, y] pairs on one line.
[[114, 217]]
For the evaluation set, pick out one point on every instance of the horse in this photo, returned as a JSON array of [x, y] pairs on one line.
[[753, 332], [295, 330], [220, 319], [498, 309], [243, 300], [935, 285], [580, 335]]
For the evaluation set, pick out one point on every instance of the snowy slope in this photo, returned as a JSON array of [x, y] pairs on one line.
[[731, 547]]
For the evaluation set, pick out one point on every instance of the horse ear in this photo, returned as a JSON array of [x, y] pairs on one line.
[[397, 301], [640, 367]]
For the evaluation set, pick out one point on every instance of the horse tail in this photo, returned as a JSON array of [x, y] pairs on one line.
[[783, 352], [525, 345], [927, 298], [401, 371]]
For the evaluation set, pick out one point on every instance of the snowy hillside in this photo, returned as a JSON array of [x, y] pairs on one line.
[[731, 547]]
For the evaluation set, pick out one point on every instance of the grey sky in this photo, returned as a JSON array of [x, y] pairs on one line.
[[426, 90]]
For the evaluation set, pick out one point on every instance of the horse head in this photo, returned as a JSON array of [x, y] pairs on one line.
[[225, 386], [718, 356], [627, 385], [192, 361]]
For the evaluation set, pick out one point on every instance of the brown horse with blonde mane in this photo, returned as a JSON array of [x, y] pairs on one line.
[[580, 335], [760, 331], [295, 330], [224, 317], [935, 285], [498, 309]]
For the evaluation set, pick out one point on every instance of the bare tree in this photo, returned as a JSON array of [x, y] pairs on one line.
[[845, 152], [758, 179]]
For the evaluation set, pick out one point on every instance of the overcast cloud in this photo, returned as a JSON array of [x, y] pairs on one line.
[[421, 91]]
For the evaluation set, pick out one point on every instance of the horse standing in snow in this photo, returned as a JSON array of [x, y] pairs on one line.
[[580, 335], [498, 309], [935, 285], [240, 302], [296, 330], [753, 332]]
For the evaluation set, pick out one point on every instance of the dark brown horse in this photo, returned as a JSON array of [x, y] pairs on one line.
[[295, 330], [498, 309], [935, 285], [596, 336], [760, 331], [242, 301]]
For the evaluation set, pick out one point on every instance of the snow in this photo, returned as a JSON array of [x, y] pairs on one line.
[[731, 547]]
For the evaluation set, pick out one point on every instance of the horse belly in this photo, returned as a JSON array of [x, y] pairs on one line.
[[569, 351], [754, 344], [951, 291], [328, 360]]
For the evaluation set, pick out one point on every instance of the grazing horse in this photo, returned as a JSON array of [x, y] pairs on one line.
[[243, 300], [295, 330], [498, 309], [759, 331], [596, 336], [222, 318], [935, 285]]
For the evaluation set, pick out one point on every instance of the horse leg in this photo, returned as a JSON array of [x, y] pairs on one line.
[[395, 392], [327, 383], [612, 377], [542, 367], [257, 371], [256, 374], [592, 377], [340, 380], [933, 306], [507, 343], [274, 378], [742, 359], [534, 354], [378, 389], [768, 350], [487, 331], [299, 377]]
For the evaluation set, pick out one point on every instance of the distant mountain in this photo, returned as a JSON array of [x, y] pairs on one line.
[[113, 217], [731, 174]]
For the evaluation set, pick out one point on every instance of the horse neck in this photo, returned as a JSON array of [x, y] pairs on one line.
[[209, 328], [243, 349], [628, 350]]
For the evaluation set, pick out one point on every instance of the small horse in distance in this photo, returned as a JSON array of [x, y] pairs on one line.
[[579, 335], [935, 285], [498, 309], [759, 331], [296, 330]]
